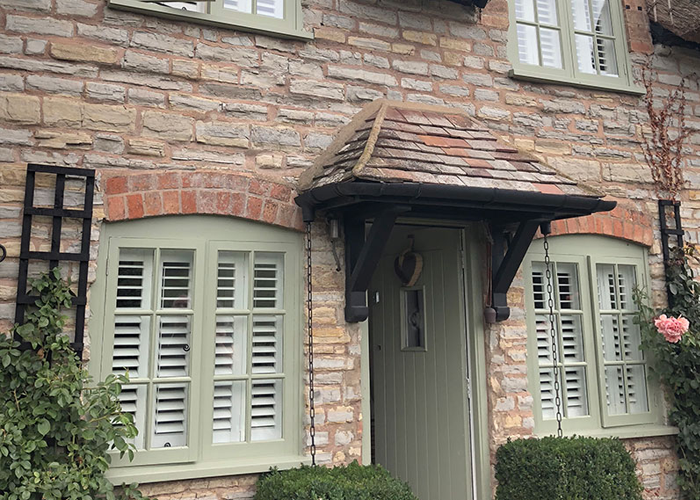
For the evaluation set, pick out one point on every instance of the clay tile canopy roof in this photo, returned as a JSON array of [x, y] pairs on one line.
[[394, 143]]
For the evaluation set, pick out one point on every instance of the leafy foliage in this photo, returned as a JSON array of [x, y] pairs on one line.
[[575, 468], [354, 482], [55, 430], [678, 365]]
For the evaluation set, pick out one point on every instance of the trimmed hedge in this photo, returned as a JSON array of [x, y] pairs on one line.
[[575, 468], [354, 482]]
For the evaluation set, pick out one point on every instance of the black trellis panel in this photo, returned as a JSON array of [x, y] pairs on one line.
[[55, 256], [668, 232]]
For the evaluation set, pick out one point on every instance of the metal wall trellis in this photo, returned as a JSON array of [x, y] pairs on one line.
[[667, 232], [54, 256]]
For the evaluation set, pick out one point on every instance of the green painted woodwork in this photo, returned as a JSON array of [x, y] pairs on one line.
[[421, 406], [291, 26], [206, 236], [569, 74], [586, 252]]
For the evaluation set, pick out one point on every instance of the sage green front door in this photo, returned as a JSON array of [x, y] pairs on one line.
[[419, 366]]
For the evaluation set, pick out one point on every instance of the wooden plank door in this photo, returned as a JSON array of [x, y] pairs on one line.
[[420, 403]]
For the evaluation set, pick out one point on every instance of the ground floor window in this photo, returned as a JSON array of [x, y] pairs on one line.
[[202, 313]]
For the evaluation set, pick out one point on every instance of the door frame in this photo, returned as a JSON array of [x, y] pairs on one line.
[[472, 256]]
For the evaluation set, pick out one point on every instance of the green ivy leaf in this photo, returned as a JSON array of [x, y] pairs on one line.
[[43, 427]]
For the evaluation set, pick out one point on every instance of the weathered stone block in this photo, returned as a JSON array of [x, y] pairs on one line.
[[362, 75], [77, 8], [327, 90], [136, 61], [145, 147], [42, 26], [83, 52], [162, 43], [105, 92], [109, 118], [171, 127], [218, 133], [275, 136]]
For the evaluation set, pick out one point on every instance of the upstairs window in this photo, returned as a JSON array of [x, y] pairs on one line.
[[570, 41], [604, 374], [273, 17]]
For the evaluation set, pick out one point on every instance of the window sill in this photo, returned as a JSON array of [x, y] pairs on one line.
[[629, 432], [211, 20], [157, 473], [533, 75]]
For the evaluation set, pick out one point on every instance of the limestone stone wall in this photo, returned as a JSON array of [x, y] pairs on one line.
[[127, 94]]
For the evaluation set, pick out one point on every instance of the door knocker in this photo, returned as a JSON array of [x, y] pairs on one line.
[[3, 253]]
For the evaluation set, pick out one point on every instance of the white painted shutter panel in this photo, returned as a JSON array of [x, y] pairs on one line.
[[239, 5], [130, 350], [173, 345], [133, 402], [270, 8], [170, 416], [266, 410], [550, 43], [268, 279], [267, 344], [190, 5], [229, 411]]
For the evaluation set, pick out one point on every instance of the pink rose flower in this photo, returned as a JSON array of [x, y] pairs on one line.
[[671, 328]]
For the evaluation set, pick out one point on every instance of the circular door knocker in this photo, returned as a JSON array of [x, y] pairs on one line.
[[3, 253], [408, 266]]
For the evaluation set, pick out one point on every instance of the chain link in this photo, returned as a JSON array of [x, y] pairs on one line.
[[553, 334], [309, 326]]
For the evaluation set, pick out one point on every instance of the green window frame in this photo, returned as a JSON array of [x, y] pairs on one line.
[[213, 12], [593, 279], [218, 315], [555, 32]]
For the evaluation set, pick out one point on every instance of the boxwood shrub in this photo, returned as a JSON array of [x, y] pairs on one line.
[[354, 482], [575, 468]]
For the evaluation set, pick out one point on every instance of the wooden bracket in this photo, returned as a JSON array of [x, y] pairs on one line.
[[505, 264], [362, 257]]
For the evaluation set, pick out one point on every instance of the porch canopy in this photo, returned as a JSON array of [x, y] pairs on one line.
[[397, 159]]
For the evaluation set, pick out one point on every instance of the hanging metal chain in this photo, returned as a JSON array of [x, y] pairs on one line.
[[309, 326], [553, 334]]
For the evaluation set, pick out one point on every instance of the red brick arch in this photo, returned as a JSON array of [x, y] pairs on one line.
[[623, 223], [129, 196]]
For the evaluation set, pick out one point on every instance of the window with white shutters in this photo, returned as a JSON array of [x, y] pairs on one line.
[[282, 17], [571, 41], [208, 332], [603, 372]]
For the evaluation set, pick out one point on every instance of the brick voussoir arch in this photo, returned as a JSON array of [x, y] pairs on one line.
[[623, 223], [129, 196]]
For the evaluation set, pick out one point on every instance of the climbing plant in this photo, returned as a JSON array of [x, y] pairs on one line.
[[56, 426], [673, 340]]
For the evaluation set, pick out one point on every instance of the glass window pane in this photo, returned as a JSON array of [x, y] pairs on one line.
[[270, 8], [637, 389], [584, 54], [176, 279], [267, 344], [572, 337], [266, 410], [169, 415], [631, 340], [528, 51], [582, 14], [627, 281], [134, 279], [547, 395], [173, 346], [231, 342], [268, 280], [133, 401], [547, 12], [525, 10], [551, 48], [607, 59], [612, 341], [131, 346], [576, 392], [538, 285], [567, 286], [232, 280], [238, 5], [615, 390], [601, 17], [229, 411], [607, 299]]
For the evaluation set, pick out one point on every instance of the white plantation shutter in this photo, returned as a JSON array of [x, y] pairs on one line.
[[229, 412], [133, 401], [267, 344], [268, 280], [173, 346], [266, 410], [569, 338], [270, 8], [189, 5], [176, 271], [230, 355], [539, 38], [170, 416], [131, 341], [239, 5], [625, 372]]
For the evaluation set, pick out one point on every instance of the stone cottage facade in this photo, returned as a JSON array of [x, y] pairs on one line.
[[180, 118]]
